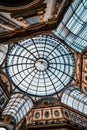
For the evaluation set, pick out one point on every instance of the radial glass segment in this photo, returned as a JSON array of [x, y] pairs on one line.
[[40, 66]]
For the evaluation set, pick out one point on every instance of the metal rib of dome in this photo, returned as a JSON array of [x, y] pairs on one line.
[[40, 66]]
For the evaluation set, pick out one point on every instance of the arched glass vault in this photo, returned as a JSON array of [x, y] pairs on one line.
[[74, 98], [73, 28], [18, 106], [40, 66]]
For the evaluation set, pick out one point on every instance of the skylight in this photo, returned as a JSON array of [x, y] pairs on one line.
[[74, 98], [40, 66], [18, 106], [73, 28]]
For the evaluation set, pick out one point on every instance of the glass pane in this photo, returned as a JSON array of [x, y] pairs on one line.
[[40, 66], [73, 28], [73, 97], [18, 106]]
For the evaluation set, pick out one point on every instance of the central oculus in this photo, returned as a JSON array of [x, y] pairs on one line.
[[41, 64]]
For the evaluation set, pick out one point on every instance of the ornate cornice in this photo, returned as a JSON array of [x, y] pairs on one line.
[[20, 7], [33, 30]]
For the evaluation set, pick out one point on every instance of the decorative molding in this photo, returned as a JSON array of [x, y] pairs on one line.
[[66, 115], [82, 70], [29, 12], [6, 22], [20, 7], [5, 88], [5, 84], [36, 29]]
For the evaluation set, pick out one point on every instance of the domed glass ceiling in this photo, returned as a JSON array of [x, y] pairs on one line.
[[40, 66]]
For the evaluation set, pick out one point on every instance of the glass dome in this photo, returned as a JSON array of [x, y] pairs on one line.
[[40, 66]]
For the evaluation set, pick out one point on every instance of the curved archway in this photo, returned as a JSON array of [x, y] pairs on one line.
[[73, 28], [74, 98], [18, 106]]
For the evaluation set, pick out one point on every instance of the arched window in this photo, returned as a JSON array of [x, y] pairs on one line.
[[74, 98]]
